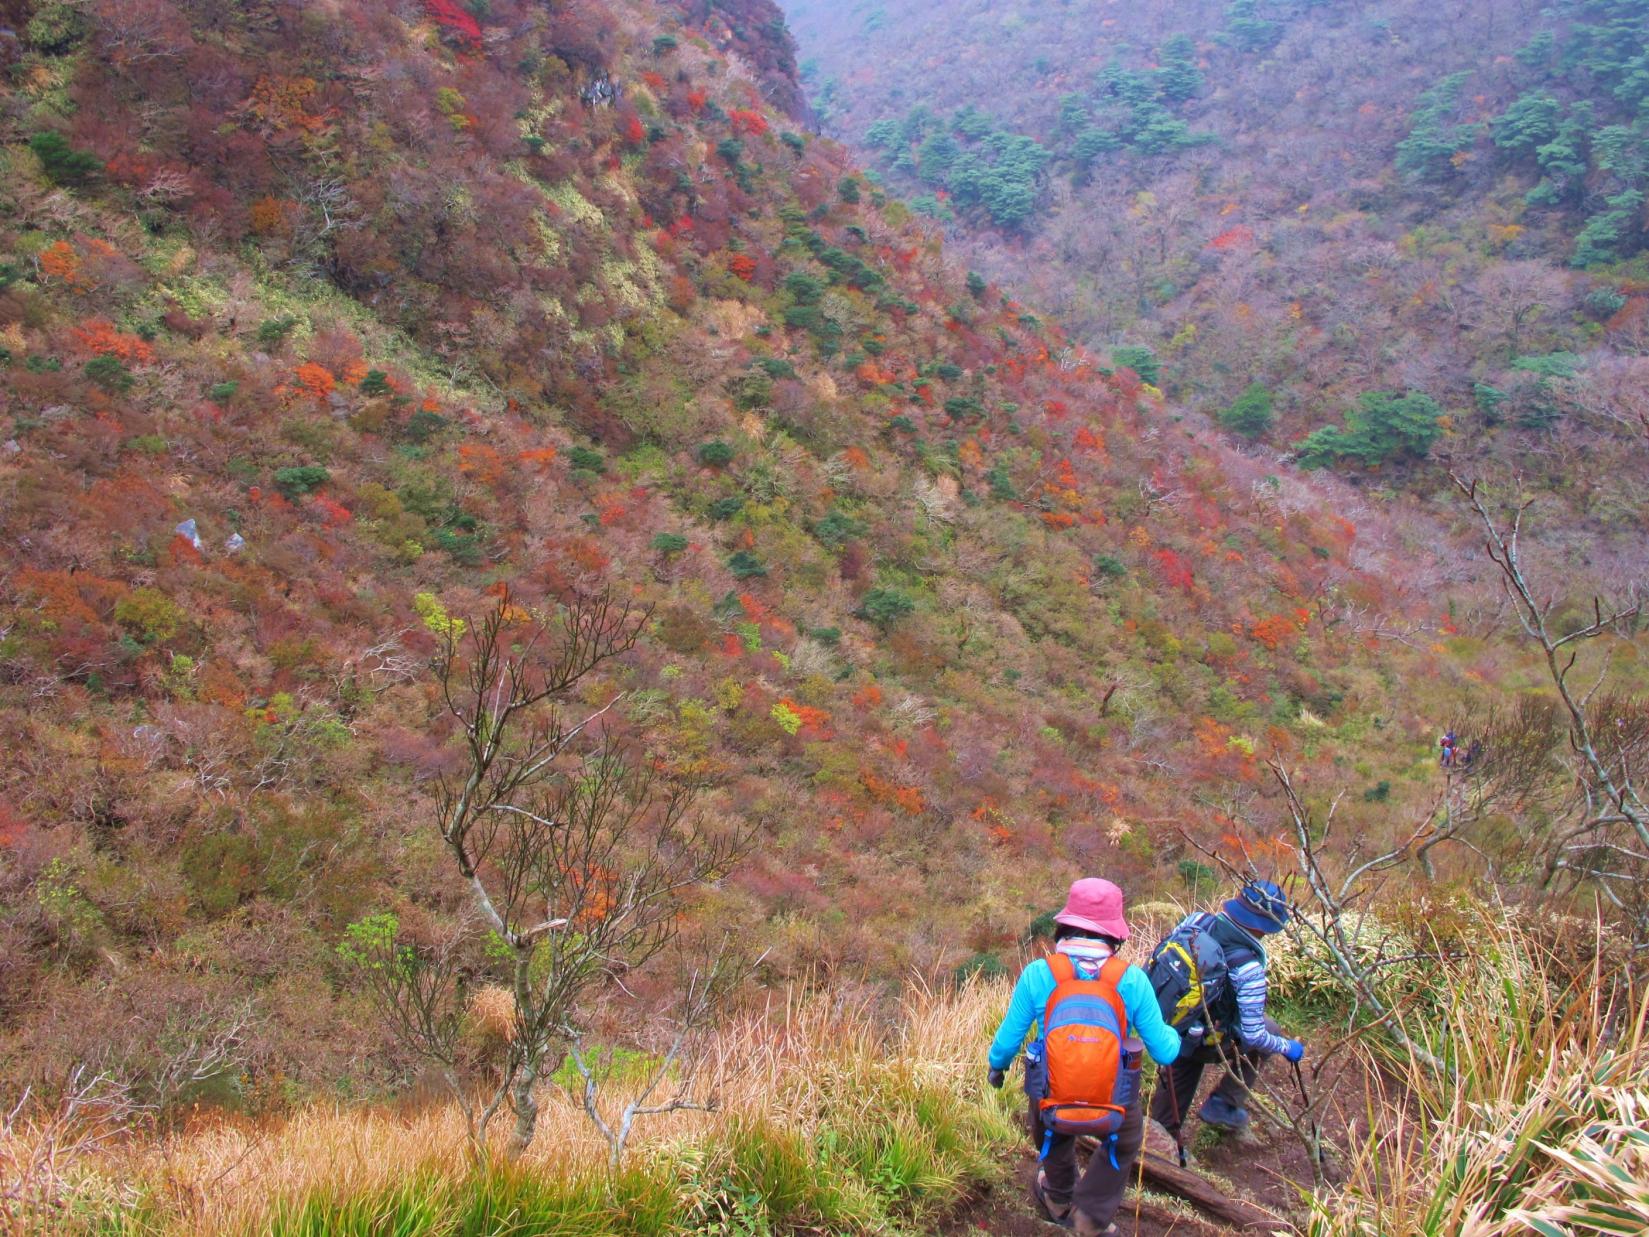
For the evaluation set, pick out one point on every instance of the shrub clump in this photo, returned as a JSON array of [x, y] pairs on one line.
[[745, 565], [302, 480], [109, 374], [62, 163], [582, 459], [150, 614], [1250, 413], [885, 606], [715, 455]]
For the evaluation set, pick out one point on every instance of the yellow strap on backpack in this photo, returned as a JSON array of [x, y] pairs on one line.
[[1191, 1002]]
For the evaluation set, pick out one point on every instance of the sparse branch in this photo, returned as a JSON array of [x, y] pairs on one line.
[[1606, 735], [1333, 906], [575, 851], [199, 1045], [705, 991], [42, 1136]]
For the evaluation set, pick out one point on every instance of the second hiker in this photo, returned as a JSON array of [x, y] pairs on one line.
[[1224, 1023], [1082, 1071]]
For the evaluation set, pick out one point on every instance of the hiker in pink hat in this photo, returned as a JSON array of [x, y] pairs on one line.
[[1086, 1006]]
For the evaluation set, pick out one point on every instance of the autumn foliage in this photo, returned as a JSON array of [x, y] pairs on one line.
[[568, 310], [454, 18]]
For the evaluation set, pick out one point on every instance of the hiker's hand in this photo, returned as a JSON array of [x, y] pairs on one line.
[[1294, 1051], [996, 1078]]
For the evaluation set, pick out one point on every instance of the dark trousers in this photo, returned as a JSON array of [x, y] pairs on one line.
[[1177, 1084], [1098, 1194]]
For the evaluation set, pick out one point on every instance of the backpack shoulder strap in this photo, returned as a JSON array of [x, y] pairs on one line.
[[1259, 952], [1241, 946], [1064, 970], [1110, 976]]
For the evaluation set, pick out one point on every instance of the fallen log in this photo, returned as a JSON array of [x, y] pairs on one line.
[[1206, 1197], [1240, 1216], [1165, 1217]]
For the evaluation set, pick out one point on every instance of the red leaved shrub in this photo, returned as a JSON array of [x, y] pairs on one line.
[[455, 19]]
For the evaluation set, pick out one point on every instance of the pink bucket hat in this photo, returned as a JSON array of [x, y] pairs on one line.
[[1095, 905]]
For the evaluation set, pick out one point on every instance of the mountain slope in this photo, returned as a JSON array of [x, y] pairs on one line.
[[1303, 204], [325, 326]]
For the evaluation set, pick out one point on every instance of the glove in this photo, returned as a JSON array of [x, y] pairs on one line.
[[1294, 1051], [996, 1078]]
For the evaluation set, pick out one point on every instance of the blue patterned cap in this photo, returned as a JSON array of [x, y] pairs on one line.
[[1260, 907]]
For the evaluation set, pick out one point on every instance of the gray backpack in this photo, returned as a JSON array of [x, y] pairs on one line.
[[1189, 974]]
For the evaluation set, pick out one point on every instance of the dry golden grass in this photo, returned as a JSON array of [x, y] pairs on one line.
[[1539, 1126], [492, 1013], [807, 1060], [846, 1115]]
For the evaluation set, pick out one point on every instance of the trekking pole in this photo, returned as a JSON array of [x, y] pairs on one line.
[[1164, 1078], [1316, 1132], [1179, 1129]]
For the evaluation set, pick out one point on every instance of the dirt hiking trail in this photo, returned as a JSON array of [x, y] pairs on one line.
[[1264, 1173]]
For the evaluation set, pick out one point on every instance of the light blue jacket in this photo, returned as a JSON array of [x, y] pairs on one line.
[[1030, 1000]]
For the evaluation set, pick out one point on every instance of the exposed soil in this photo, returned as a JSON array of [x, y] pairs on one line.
[[1269, 1172], [1009, 1212]]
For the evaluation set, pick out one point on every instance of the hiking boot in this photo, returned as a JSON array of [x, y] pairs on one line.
[[1053, 1212], [1222, 1114], [1084, 1227]]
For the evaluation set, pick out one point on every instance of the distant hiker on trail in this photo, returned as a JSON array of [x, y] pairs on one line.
[[1458, 759], [1448, 743], [1082, 1070], [1209, 975]]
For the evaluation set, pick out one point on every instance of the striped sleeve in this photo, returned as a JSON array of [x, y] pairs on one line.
[[1248, 982]]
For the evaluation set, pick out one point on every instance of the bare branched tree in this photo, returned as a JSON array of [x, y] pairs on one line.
[[385, 665], [1334, 923], [43, 1136], [1597, 835], [197, 1045], [1563, 769], [1337, 609], [703, 993], [1335, 932], [419, 994], [1611, 392], [577, 855]]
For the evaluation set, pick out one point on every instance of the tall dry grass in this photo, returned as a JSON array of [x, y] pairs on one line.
[[837, 1115], [831, 1112], [1541, 1123]]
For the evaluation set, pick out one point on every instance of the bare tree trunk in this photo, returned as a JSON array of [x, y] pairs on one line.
[[526, 1108], [529, 1047]]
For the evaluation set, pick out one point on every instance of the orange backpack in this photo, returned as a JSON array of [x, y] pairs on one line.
[[1092, 1064]]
